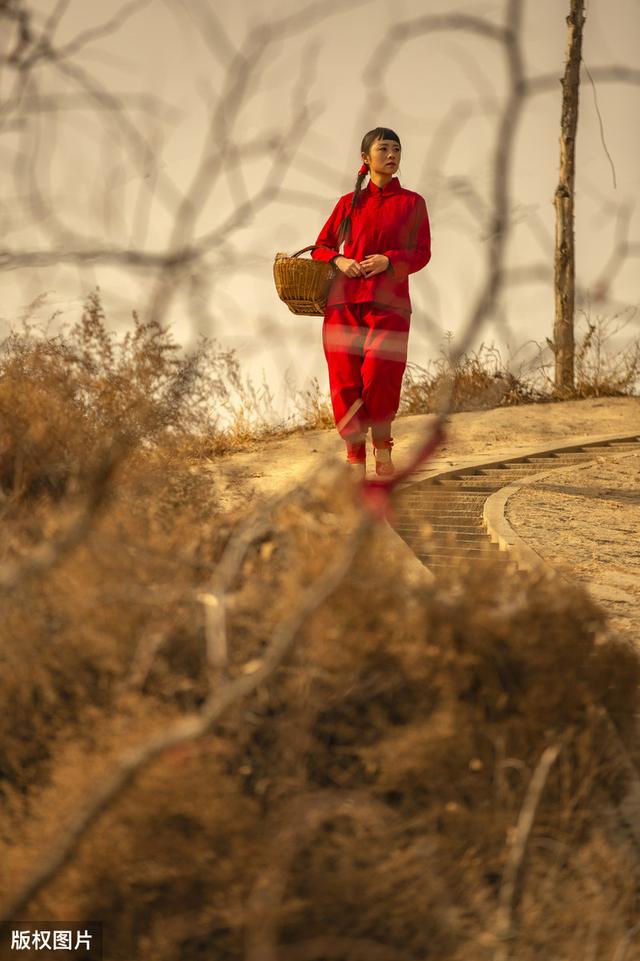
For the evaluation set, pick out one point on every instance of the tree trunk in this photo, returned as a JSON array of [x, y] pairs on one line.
[[564, 204]]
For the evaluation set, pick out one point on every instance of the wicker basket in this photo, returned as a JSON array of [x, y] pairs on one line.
[[303, 284]]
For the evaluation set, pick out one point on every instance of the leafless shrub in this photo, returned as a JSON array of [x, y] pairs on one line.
[[477, 380], [604, 369]]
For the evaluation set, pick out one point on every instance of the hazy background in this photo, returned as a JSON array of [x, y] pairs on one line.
[[441, 92]]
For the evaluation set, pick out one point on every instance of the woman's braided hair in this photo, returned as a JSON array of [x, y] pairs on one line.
[[378, 133]]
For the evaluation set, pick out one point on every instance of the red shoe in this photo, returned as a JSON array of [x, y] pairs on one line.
[[356, 451], [382, 452], [357, 457]]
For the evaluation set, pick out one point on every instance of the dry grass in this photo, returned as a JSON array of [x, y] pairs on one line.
[[604, 370], [361, 803], [481, 380]]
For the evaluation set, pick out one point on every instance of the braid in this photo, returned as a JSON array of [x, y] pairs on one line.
[[344, 231]]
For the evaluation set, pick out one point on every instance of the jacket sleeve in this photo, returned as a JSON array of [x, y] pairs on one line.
[[329, 234], [417, 253]]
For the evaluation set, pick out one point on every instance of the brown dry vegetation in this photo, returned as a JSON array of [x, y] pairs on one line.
[[602, 370], [361, 804], [482, 379]]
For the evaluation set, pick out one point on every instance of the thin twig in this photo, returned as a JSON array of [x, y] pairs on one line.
[[621, 949], [214, 598], [505, 924]]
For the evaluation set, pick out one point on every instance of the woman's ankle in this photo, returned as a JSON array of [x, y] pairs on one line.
[[356, 449]]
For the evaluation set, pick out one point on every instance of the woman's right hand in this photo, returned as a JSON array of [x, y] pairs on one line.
[[349, 267]]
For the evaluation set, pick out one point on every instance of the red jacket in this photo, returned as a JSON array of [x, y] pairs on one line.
[[387, 220]]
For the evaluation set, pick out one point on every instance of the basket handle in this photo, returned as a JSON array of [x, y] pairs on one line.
[[313, 247]]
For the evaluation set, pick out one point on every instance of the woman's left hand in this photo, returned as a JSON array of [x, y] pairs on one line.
[[374, 264]]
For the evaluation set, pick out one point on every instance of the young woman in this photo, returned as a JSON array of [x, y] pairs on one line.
[[366, 321]]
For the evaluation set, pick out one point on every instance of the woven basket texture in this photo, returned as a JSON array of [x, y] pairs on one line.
[[303, 285]]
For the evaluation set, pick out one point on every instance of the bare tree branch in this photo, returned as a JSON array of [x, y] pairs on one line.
[[604, 74], [512, 874], [186, 729], [104, 29]]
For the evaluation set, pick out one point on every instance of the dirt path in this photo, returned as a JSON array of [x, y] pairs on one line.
[[472, 435], [586, 521]]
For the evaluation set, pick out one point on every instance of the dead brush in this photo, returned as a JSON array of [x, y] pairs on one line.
[[360, 803], [480, 381], [66, 402], [313, 408], [64, 398], [602, 369]]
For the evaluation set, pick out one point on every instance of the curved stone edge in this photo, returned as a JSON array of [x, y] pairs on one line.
[[502, 533], [494, 520], [500, 530]]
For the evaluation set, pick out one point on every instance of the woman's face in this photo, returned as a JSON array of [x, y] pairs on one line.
[[384, 156]]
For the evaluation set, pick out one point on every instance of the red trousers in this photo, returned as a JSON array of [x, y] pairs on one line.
[[366, 349]]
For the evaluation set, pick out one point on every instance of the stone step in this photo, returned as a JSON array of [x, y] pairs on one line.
[[453, 560], [460, 549], [556, 460], [463, 534], [451, 524], [443, 536], [459, 485], [437, 490], [448, 525], [439, 497], [433, 490], [476, 530], [447, 507], [469, 485], [445, 520], [441, 519], [624, 445], [509, 466], [457, 503], [509, 474], [455, 537], [450, 506]]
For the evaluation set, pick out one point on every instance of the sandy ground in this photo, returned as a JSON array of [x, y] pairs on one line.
[[471, 436], [586, 522]]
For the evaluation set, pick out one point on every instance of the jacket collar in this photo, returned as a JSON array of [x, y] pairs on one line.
[[393, 187]]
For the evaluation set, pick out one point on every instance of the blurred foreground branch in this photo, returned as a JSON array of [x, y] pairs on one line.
[[133, 762]]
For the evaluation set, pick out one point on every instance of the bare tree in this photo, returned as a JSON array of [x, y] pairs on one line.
[[563, 342]]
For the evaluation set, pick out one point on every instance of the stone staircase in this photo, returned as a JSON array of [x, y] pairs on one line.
[[441, 518]]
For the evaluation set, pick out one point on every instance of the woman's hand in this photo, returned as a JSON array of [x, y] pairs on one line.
[[349, 267], [374, 264]]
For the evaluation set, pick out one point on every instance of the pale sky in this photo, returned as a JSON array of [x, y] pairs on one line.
[[164, 49]]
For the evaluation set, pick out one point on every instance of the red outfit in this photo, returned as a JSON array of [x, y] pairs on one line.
[[366, 321]]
